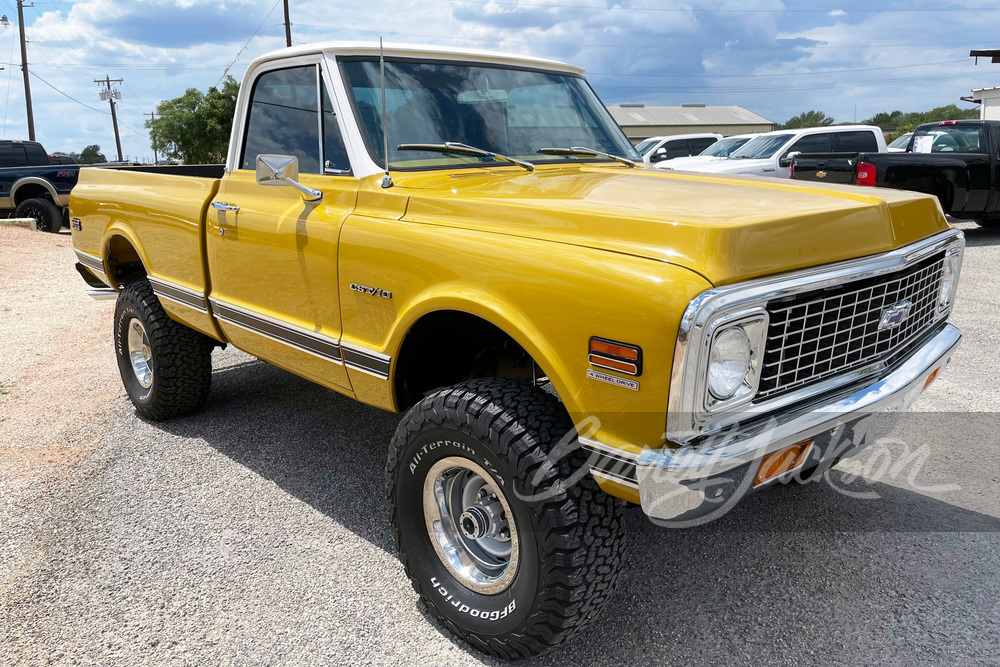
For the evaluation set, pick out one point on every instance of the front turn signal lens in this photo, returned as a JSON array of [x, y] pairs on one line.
[[784, 460], [931, 378]]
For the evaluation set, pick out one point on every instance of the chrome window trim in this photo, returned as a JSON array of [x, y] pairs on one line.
[[686, 418]]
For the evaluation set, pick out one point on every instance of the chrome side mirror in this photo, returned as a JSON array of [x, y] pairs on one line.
[[283, 170]]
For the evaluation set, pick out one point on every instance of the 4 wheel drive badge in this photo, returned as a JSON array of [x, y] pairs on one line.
[[895, 315], [373, 291]]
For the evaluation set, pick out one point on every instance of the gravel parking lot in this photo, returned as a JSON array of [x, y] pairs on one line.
[[255, 532]]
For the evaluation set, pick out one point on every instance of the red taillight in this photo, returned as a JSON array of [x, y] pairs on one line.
[[867, 174], [791, 169]]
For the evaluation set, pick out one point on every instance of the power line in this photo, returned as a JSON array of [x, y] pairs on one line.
[[240, 52], [67, 95], [110, 94]]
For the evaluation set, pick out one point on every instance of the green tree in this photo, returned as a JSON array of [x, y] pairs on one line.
[[194, 128], [90, 155], [807, 119]]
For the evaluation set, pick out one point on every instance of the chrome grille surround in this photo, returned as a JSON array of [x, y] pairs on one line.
[[688, 417], [818, 334]]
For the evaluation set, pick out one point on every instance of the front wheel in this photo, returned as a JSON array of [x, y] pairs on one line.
[[512, 549], [165, 366]]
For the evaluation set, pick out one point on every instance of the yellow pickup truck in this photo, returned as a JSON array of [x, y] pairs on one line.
[[467, 238]]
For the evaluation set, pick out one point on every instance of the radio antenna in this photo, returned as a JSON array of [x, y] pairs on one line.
[[387, 179]]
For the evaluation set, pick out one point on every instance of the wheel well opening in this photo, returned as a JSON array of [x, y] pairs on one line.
[[31, 191], [448, 347], [124, 264]]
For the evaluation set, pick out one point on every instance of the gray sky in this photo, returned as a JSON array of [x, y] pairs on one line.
[[775, 58]]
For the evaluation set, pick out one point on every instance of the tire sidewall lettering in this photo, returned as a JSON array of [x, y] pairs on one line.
[[502, 612]]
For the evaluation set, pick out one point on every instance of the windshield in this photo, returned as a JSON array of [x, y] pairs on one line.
[[949, 139], [724, 147], [644, 146], [761, 147], [901, 141], [508, 111]]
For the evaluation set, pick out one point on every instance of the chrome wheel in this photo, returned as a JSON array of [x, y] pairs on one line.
[[140, 354], [470, 525]]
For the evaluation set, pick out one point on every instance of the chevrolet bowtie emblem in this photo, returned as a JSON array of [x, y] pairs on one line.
[[820, 174], [895, 315]]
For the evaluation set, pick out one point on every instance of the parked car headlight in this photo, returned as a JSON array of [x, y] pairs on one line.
[[949, 277]]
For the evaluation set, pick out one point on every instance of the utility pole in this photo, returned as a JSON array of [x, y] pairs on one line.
[[109, 94], [152, 117], [24, 69], [288, 28]]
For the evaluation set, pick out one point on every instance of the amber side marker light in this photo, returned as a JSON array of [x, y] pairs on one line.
[[615, 356], [931, 378], [779, 462]]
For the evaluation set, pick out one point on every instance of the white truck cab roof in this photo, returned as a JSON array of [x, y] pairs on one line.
[[421, 51]]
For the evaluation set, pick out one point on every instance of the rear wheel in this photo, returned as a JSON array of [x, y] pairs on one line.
[[165, 366], [48, 217], [512, 549]]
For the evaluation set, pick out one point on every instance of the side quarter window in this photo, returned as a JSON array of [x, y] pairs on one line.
[[335, 160], [284, 118]]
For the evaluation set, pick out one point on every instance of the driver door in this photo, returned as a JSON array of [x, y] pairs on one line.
[[272, 255]]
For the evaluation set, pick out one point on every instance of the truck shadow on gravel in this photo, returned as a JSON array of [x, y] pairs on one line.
[[734, 586]]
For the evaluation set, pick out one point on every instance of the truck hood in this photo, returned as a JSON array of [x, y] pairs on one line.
[[725, 228]]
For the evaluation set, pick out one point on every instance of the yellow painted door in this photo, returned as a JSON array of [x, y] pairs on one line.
[[272, 255]]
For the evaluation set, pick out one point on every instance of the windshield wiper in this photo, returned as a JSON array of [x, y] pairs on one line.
[[454, 147], [580, 150]]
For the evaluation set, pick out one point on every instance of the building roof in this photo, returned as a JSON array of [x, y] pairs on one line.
[[639, 116], [339, 48]]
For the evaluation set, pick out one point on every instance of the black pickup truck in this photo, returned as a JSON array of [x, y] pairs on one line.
[[955, 160], [34, 185]]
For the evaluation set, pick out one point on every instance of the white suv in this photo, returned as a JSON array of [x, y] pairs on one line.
[[770, 154], [658, 149], [720, 150]]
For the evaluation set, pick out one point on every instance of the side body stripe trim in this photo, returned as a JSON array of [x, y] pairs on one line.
[[366, 361], [179, 294], [301, 339]]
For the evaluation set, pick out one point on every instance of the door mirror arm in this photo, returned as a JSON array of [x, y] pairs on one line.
[[281, 170]]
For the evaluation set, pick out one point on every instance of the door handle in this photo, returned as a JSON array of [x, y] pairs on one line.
[[225, 206]]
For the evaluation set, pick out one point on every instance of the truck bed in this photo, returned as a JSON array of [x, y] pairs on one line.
[[164, 206]]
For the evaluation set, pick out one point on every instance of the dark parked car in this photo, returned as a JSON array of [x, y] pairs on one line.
[[32, 186], [954, 160]]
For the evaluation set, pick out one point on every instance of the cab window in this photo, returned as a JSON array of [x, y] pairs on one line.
[[284, 119], [699, 145], [813, 143], [335, 160], [862, 141]]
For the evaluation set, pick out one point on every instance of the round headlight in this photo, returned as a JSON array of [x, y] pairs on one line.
[[728, 363], [947, 281]]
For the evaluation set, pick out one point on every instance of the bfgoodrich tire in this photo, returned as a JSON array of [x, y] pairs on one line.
[[48, 217], [508, 548], [166, 367]]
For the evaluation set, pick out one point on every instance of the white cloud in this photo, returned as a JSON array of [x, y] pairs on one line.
[[666, 52]]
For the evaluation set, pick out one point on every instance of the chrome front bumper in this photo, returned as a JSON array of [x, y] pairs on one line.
[[692, 484]]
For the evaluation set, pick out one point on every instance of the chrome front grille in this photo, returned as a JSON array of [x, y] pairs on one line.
[[819, 334]]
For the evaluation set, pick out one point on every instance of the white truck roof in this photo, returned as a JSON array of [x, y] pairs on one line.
[[425, 52]]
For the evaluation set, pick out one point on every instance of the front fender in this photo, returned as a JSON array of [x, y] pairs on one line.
[[549, 297]]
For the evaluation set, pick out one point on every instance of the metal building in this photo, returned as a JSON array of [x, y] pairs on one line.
[[641, 122]]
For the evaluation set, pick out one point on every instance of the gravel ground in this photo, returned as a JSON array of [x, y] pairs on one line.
[[255, 532]]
